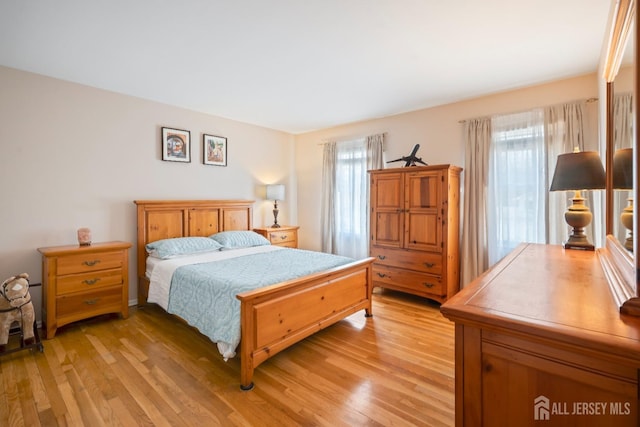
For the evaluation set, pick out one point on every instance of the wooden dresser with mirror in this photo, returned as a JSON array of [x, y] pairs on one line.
[[550, 336]]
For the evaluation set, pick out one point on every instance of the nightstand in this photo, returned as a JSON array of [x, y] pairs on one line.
[[286, 235], [79, 282]]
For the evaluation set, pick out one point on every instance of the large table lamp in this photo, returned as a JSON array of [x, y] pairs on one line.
[[275, 192], [578, 171], [623, 180]]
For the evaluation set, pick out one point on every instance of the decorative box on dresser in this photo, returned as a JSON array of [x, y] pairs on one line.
[[83, 281], [415, 230], [285, 235], [539, 340]]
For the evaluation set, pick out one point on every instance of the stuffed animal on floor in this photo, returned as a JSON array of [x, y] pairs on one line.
[[16, 306]]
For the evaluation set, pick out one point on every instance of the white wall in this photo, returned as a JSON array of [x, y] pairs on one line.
[[77, 156], [437, 130]]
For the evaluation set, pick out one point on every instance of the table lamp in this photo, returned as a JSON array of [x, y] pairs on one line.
[[623, 180], [577, 171], [275, 192]]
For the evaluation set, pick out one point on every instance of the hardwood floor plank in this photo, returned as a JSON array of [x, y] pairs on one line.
[[12, 412], [38, 389], [151, 369]]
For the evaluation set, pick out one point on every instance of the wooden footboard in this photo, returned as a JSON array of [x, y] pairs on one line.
[[277, 316]]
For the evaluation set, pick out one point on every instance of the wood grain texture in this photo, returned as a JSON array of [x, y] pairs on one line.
[[395, 368], [415, 230], [542, 322]]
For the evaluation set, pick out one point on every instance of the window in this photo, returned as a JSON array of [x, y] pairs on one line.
[[517, 182], [351, 196], [345, 194]]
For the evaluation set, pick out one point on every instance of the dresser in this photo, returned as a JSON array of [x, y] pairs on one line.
[[286, 235], [79, 282], [415, 230], [539, 340]]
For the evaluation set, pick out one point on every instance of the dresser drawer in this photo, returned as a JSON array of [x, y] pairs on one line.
[[427, 262], [282, 237], [89, 262], [420, 283], [82, 304], [88, 281]]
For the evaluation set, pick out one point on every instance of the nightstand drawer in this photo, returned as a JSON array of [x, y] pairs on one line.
[[88, 302], [286, 235], [281, 237], [89, 281], [89, 262]]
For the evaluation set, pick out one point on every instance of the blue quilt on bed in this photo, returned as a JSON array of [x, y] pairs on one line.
[[205, 294]]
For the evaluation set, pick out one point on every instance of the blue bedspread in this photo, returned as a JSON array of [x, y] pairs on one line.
[[205, 294]]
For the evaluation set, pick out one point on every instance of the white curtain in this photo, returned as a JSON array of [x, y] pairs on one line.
[[623, 138], [567, 127], [474, 259], [327, 216], [345, 212], [517, 188]]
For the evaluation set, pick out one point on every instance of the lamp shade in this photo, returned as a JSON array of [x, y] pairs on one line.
[[623, 169], [578, 171], [275, 192]]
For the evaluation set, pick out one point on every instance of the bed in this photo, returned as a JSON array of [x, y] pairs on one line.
[[271, 318]]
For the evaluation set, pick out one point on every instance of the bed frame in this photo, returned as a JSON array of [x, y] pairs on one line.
[[273, 317]]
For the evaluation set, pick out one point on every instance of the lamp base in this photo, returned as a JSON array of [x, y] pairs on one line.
[[275, 215], [626, 217], [585, 246], [578, 217]]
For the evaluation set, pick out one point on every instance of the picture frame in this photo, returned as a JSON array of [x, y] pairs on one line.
[[176, 145], [214, 150]]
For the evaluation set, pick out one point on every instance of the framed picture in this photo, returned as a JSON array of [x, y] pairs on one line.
[[176, 145], [214, 149]]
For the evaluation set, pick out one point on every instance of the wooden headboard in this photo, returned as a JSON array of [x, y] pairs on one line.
[[164, 219]]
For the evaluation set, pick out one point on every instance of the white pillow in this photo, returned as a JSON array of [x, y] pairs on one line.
[[169, 248], [239, 239]]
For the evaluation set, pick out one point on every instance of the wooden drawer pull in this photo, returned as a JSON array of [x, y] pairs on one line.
[[429, 264], [429, 285], [92, 301], [90, 281], [91, 263]]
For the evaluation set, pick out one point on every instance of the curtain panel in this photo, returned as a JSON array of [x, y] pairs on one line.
[[474, 256], [345, 203]]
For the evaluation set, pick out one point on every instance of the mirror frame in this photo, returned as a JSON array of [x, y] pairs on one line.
[[620, 267]]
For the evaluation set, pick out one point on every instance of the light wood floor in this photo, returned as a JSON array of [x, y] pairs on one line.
[[396, 368]]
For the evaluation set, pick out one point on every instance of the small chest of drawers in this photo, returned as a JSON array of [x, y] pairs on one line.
[[286, 235], [79, 282]]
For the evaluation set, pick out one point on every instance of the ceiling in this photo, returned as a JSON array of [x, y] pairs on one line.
[[302, 65]]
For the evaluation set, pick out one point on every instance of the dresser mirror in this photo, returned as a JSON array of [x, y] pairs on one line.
[[620, 264]]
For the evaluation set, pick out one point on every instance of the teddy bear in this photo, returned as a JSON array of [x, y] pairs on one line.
[[16, 306]]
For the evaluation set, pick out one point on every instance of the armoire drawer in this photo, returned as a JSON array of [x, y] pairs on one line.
[[428, 262], [408, 280]]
